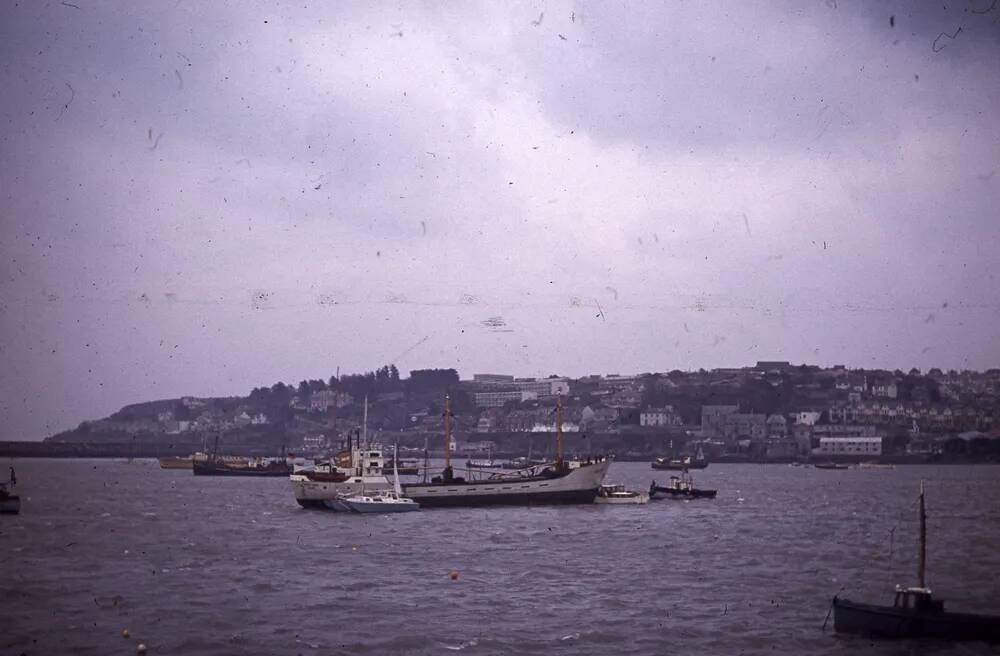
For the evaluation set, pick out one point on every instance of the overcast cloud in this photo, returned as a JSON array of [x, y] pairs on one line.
[[200, 198]]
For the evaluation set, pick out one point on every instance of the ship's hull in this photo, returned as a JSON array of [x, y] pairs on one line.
[[892, 622], [580, 485], [379, 507], [313, 494], [10, 505], [210, 469], [657, 491]]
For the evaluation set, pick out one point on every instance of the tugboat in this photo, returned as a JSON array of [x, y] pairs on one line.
[[683, 464], [680, 487], [560, 482], [10, 504], [914, 613], [617, 494]]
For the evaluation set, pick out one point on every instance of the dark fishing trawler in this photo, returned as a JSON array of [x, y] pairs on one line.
[[914, 613], [258, 467], [560, 482], [10, 503]]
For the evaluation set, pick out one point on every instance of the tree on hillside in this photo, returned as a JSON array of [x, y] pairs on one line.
[[431, 380]]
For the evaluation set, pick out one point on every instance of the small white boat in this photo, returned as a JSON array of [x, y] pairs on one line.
[[383, 502], [617, 494]]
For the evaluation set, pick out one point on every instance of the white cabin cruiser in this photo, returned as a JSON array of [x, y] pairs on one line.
[[616, 493]]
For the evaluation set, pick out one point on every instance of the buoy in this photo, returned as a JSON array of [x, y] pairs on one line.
[[141, 648], [124, 633], [454, 575]]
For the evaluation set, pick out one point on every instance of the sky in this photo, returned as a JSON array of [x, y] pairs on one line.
[[202, 198]]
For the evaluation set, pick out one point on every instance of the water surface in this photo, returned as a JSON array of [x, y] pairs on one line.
[[203, 565]]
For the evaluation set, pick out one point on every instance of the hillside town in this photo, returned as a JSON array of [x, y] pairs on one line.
[[771, 411]]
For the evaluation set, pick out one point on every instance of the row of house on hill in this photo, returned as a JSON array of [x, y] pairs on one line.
[[930, 417]]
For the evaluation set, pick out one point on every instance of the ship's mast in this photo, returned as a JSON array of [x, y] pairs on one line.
[[559, 434], [447, 432], [364, 426], [922, 565]]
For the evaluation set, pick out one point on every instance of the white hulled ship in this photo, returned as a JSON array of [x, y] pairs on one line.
[[560, 482], [361, 473]]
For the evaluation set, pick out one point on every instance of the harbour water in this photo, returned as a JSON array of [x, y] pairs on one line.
[[202, 565]]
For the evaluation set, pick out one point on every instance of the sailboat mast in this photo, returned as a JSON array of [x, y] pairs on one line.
[[922, 566], [559, 433], [365, 425], [447, 432]]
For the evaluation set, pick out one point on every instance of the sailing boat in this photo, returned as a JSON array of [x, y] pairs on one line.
[[914, 613], [382, 502], [10, 503]]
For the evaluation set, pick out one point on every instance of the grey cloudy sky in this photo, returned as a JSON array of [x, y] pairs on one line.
[[199, 198]]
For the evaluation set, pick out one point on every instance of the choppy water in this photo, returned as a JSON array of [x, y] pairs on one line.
[[228, 565]]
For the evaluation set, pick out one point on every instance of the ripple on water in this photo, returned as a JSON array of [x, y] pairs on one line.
[[209, 566]]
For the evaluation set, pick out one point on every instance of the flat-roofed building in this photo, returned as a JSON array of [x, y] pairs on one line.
[[850, 446]]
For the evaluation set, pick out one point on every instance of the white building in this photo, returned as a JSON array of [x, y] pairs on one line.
[[659, 417], [850, 446], [498, 399], [809, 417]]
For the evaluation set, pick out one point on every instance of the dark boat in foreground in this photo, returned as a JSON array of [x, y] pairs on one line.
[[830, 465], [679, 487], [10, 503], [914, 613]]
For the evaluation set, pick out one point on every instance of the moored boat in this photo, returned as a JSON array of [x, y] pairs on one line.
[[831, 465], [358, 470], [379, 502], [616, 494], [215, 465], [558, 483], [10, 503], [259, 467], [914, 613], [681, 464], [679, 487]]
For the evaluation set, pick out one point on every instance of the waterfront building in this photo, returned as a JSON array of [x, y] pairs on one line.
[[665, 416], [850, 446]]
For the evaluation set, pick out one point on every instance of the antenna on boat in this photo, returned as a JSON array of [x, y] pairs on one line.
[[364, 426], [922, 566], [447, 432], [559, 433]]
